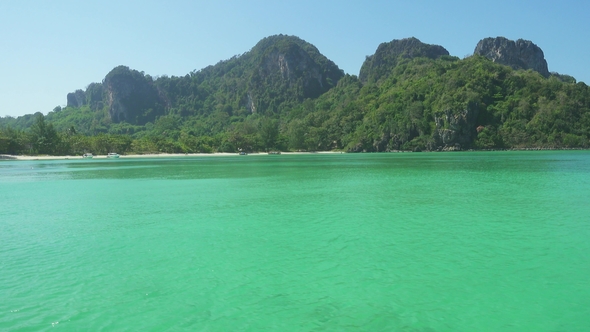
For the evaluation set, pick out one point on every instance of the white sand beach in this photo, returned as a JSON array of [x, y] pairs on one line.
[[154, 155]]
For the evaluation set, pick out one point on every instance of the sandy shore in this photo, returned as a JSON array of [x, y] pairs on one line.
[[159, 155]]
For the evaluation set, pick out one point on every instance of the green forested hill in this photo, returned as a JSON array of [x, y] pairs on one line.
[[284, 94], [453, 104]]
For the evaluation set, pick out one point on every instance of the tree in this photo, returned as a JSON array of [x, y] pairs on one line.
[[269, 132], [44, 138]]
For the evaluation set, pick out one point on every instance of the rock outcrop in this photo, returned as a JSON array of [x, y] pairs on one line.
[[290, 65], [389, 54], [520, 54], [93, 96], [279, 70], [76, 99], [129, 95], [132, 97], [455, 130], [294, 64]]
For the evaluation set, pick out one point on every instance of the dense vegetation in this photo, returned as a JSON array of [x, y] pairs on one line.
[[284, 95]]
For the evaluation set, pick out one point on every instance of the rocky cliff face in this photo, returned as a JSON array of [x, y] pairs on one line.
[[129, 95], [295, 66], [279, 70], [520, 54], [389, 54], [76, 99], [287, 64], [93, 96], [132, 97], [455, 130]]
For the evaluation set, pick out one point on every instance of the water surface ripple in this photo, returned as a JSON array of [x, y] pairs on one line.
[[358, 242]]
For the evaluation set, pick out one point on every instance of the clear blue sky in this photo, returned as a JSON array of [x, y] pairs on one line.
[[50, 48]]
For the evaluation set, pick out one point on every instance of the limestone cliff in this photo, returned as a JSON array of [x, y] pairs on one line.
[[389, 54], [288, 65], [455, 129], [132, 97], [291, 65], [76, 99], [520, 54], [278, 72]]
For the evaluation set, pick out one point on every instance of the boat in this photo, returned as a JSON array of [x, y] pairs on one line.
[[242, 153], [274, 152], [87, 156], [112, 155]]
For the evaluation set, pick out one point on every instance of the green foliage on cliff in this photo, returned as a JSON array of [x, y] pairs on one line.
[[283, 94], [272, 78], [436, 104], [388, 55]]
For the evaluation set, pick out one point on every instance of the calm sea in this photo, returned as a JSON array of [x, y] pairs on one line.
[[496, 241]]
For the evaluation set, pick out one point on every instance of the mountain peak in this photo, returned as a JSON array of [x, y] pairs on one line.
[[387, 56], [519, 54]]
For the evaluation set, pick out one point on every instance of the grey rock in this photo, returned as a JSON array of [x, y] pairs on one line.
[[132, 97], [520, 54], [455, 130], [289, 63], [76, 99], [388, 55]]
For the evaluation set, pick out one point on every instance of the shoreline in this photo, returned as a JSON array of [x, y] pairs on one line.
[[226, 154], [152, 155]]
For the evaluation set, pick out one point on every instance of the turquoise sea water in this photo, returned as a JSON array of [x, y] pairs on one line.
[[479, 241]]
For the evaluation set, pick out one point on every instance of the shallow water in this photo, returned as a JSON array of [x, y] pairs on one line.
[[361, 242]]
